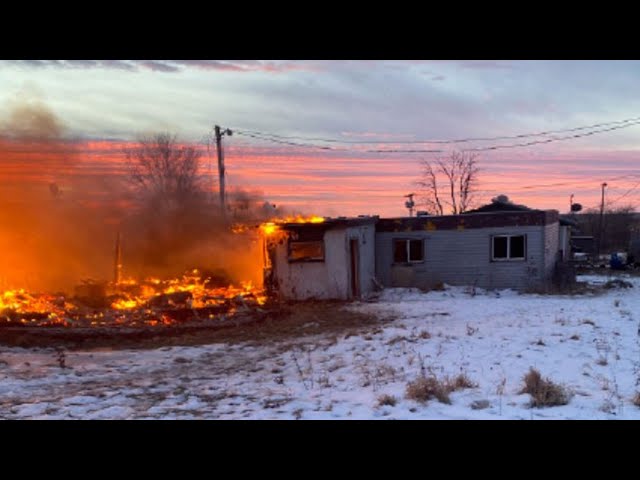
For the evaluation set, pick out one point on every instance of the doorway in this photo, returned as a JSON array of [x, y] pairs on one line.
[[355, 270]]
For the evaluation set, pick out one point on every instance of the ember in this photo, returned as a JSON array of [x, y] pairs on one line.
[[271, 227], [151, 302]]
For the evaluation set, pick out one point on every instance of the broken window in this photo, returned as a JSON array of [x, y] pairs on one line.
[[306, 251], [408, 251], [508, 247]]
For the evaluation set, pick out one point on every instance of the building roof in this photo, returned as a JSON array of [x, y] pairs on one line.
[[500, 205], [331, 223], [525, 218]]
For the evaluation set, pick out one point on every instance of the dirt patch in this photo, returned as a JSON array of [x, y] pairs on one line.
[[279, 322]]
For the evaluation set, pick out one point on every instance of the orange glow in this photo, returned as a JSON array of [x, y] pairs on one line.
[[273, 226], [347, 185], [269, 228], [149, 302]]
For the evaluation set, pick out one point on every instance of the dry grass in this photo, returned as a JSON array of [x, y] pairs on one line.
[[636, 399], [423, 388], [544, 393], [277, 322], [384, 400], [460, 383], [424, 335]]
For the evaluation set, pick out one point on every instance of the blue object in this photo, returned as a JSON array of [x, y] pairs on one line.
[[616, 263]]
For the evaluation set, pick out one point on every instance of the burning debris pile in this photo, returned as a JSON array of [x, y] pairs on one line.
[[195, 298], [148, 303]]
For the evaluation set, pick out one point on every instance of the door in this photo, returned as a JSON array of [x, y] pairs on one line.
[[355, 270]]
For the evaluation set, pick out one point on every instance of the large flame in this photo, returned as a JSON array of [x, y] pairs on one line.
[[151, 301], [273, 225]]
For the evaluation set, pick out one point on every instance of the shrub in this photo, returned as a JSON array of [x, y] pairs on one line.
[[544, 393], [385, 399], [423, 389], [460, 383]]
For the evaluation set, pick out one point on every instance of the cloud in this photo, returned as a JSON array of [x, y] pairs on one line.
[[159, 66], [170, 66]]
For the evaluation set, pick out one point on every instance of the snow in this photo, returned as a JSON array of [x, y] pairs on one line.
[[588, 343]]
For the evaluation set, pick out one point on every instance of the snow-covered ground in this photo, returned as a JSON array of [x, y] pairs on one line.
[[588, 343]]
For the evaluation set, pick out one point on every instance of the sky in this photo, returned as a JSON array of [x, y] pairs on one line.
[[99, 105]]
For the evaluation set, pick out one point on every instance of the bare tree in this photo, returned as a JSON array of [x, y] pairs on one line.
[[164, 170], [449, 181], [618, 224]]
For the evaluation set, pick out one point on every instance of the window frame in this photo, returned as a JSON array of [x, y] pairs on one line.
[[407, 241], [305, 260], [509, 258]]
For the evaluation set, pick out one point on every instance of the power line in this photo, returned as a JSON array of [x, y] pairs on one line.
[[478, 149], [624, 194], [324, 147], [459, 140], [577, 182], [549, 140]]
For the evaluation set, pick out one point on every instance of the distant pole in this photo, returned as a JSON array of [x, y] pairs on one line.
[[221, 180], [410, 203], [571, 203], [601, 219], [117, 264]]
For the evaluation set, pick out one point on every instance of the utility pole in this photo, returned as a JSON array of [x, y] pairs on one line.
[[219, 133], [601, 220], [571, 203], [410, 203], [117, 263]]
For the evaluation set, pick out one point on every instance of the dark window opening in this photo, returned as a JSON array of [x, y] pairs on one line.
[[516, 247], [415, 251], [508, 247], [408, 251], [306, 251], [500, 247]]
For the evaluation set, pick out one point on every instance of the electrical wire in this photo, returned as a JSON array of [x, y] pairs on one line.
[[324, 147], [620, 125], [459, 140]]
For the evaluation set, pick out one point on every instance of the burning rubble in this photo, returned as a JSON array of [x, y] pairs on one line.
[[150, 302]]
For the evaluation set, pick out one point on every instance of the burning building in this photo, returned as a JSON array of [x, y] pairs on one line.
[[504, 246], [330, 259]]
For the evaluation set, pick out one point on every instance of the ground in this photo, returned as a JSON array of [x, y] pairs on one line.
[[355, 361]]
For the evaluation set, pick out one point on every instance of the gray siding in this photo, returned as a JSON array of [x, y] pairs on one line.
[[552, 248], [463, 257]]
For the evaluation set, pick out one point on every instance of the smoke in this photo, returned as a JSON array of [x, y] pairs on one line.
[[52, 235], [165, 243], [59, 219], [32, 119]]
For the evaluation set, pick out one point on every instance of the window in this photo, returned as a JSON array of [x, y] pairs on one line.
[[306, 251], [408, 251], [508, 247]]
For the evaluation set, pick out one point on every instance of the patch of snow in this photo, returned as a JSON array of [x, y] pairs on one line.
[[588, 343]]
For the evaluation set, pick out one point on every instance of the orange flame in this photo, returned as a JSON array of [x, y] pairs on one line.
[[131, 303], [273, 226]]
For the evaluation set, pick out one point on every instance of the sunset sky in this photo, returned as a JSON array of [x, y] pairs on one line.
[[97, 105]]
